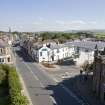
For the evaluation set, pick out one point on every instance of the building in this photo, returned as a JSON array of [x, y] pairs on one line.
[[99, 74], [84, 50], [50, 52], [5, 53]]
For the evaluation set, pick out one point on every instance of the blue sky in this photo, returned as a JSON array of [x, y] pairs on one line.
[[58, 15]]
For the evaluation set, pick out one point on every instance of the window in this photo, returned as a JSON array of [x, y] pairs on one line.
[[44, 49], [1, 50], [77, 50], [86, 50], [1, 60], [8, 59], [40, 53]]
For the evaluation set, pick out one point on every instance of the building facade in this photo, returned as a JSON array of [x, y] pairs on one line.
[[99, 75], [52, 53], [5, 53], [84, 51]]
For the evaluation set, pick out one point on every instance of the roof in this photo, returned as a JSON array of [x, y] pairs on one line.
[[87, 44], [3, 43], [57, 46]]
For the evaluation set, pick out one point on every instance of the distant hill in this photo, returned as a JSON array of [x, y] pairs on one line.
[[91, 30]]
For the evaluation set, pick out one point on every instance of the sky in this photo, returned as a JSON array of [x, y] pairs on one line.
[[51, 15]]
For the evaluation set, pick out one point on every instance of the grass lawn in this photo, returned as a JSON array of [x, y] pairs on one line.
[[3, 95]]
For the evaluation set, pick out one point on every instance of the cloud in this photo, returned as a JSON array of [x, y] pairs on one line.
[[92, 22], [60, 22], [80, 22], [41, 18], [59, 25], [63, 25]]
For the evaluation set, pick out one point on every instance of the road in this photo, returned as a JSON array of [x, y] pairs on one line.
[[42, 88]]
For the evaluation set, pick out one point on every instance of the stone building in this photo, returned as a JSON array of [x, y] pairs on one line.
[[99, 74], [5, 53]]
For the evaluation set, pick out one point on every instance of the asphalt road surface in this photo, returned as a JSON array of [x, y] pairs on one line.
[[42, 89]]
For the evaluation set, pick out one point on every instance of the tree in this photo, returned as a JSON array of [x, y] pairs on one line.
[[2, 75]]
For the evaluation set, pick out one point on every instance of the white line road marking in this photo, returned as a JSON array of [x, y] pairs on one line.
[[53, 100], [55, 80], [66, 89], [24, 86], [41, 85], [73, 95], [34, 75]]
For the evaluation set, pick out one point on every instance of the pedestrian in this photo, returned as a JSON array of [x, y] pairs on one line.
[[81, 72]]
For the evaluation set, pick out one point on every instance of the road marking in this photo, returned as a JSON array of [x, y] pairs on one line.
[[53, 100], [46, 73], [24, 86], [73, 95], [41, 84], [65, 88], [55, 80], [34, 75]]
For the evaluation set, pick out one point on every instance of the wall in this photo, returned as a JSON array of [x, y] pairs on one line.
[[84, 56]]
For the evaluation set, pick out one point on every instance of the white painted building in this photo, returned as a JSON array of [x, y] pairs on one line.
[[84, 50], [51, 53], [83, 56]]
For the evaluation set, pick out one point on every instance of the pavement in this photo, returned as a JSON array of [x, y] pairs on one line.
[[69, 75], [42, 88]]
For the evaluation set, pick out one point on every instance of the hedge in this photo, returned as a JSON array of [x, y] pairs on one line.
[[14, 85]]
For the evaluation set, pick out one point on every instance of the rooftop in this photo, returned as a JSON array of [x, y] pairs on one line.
[[3, 43], [87, 44]]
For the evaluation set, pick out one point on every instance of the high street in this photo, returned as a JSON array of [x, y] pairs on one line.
[[42, 88]]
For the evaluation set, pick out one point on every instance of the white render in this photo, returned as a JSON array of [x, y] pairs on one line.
[[57, 52], [46, 54], [84, 56]]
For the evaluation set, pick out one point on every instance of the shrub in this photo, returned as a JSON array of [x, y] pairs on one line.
[[14, 85], [48, 65], [2, 75]]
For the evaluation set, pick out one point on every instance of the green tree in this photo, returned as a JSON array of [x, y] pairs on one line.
[[2, 75]]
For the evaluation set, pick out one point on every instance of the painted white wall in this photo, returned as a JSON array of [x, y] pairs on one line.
[[63, 53], [85, 56], [71, 51], [45, 56]]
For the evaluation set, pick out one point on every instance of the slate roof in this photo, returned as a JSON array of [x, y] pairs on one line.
[[57, 46], [87, 44]]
